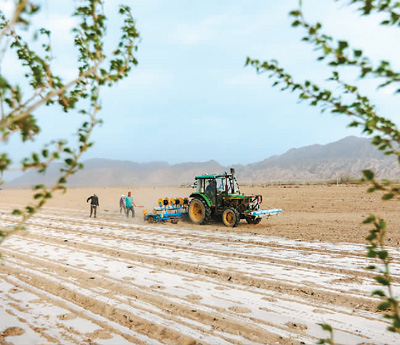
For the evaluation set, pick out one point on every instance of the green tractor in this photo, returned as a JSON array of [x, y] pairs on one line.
[[219, 196]]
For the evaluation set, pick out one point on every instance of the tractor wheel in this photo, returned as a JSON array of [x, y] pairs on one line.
[[199, 211], [252, 220], [231, 217]]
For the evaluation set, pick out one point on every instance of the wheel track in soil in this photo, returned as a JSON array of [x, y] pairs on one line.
[[174, 272]]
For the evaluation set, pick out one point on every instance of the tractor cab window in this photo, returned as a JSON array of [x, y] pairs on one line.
[[231, 183], [233, 187], [220, 184], [200, 186]]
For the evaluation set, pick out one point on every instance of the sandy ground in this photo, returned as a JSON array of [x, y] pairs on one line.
[[72, 279]]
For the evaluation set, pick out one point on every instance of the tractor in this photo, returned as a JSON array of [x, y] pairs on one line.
[[219, 196]]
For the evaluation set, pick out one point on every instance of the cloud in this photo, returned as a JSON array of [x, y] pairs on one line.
[[146, 78], [203, 31], [389, 90], [7, 7], [246, 79], [217, 120], [61, 25]]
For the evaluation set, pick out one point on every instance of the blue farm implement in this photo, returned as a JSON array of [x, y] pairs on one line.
[[168, 210]]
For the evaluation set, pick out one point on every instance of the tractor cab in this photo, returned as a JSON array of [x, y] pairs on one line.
[[215, 187]]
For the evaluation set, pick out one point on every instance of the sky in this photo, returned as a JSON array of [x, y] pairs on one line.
[[191, 98]]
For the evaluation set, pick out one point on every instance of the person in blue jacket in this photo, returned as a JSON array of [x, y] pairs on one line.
[[129, 205]]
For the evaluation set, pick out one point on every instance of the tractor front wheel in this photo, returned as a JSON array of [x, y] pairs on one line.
[[199, 211], [231, 217]]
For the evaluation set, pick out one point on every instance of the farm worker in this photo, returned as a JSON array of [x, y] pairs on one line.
[[210, 190], [129, 205], [93, 204], [122, 204]]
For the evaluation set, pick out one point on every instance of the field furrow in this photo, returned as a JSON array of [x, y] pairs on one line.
[[73, 279]]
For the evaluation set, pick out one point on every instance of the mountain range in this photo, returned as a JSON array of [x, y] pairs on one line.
[[343, 159]]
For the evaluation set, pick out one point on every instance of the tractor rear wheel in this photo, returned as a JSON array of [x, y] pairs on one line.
[[199, 211], [231, 217]]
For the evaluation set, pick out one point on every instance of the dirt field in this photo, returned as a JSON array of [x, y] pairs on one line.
[[72, 279]]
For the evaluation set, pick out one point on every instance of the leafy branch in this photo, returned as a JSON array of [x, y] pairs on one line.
[[389, 7], [376, 249], [346, 99], [328, 340], [340, 53], [82, 94]]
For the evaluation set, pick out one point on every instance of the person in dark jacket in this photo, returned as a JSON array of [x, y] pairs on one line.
[[93, 204]]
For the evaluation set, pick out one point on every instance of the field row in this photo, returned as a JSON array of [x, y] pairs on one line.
[[74, 279]]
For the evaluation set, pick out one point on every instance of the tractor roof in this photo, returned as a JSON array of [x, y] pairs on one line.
[[209, 176]]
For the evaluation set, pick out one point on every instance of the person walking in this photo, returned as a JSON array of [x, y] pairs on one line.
[[122, 204], [93, 204], [129, 205]]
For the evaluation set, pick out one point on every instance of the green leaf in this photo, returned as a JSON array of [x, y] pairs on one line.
[[69, 161], [326, 327], [383, 254], [371, 189], [304, 96], [38, 195], [35, 157], [45, 153], [354, 124], [384, 306], [62, 180], [295, 13], [382, 280], [388, 196], [396, 323], [30, 209], [368, 174], [371, 218], [378, 293], [343, 45]]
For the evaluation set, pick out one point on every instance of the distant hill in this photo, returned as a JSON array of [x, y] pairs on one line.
[[344, 158]]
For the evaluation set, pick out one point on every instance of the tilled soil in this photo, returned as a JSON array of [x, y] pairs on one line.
[[71, 279]]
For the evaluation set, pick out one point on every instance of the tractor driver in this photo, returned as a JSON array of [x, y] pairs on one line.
[[210, 189]]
